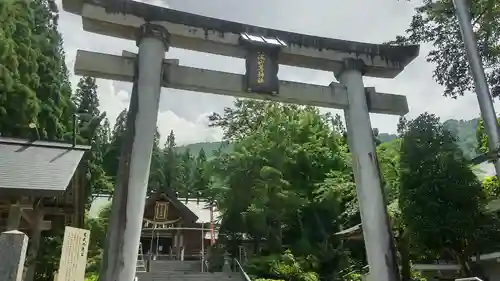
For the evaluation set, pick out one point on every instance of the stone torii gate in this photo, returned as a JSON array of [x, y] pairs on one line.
[[155, 29]]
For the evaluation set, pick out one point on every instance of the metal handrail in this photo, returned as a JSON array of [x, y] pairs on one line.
[[242, 271], [206, 265]]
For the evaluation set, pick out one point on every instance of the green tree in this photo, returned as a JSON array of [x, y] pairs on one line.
[[284, 267], [171, 165], [465, 133], [200, 175], [104, 133], [389, 159], [491, 188], [184, 174], [19, 79], [239, 121], [35, 98], [98, 227], [389, 155], [156, 175], [112, 152], [275, 186], [54, 91], [435, 23], [441, 200], [482, 137], [35, 93], [490, 184], [90, 117]]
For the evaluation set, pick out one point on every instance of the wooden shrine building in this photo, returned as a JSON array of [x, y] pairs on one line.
[[42, 187], [176, 228]]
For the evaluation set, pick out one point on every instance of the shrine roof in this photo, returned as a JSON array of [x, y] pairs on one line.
[[192, 209], [39, 168], [201, 209], [186, 213]]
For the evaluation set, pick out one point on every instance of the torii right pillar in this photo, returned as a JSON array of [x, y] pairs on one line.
[[377, 233]]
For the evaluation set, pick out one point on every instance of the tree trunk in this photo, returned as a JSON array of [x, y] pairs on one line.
[[405, 267], [477, 269], [461, 260], [273, 236], [404, 252]]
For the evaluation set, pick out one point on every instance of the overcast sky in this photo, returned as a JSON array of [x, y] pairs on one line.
[[374, 21]]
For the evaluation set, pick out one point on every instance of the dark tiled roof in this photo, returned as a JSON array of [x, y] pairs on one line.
[[39, 167]]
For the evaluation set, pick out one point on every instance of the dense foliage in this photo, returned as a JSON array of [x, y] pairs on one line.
[[282, 175], [463, 130], [282, 182], [435, 23], [36, 93], [433, 166]]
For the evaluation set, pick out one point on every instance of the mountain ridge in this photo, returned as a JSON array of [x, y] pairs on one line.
[[464, 130]]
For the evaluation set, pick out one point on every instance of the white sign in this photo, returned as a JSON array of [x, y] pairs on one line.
[[74, 254]]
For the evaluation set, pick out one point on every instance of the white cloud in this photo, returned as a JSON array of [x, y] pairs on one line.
[[374, 21], [111, 101], [186, 132], [114, 97]]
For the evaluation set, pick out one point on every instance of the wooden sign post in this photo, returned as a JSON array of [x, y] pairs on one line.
[[74, 255]]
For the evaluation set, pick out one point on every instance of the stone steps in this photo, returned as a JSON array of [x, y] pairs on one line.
[[174, 266], [167, 270], [184, 276]]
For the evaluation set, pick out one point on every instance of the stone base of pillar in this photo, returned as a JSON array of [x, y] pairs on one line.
[[13, 246], [14, 219]]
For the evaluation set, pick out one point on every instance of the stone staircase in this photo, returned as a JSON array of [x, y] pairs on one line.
[[188, 276], [168, 270], [174, 266]]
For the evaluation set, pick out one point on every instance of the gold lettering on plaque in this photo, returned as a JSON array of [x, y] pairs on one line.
[[161, 210], [261, 59]]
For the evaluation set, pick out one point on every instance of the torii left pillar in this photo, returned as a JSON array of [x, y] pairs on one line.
[[129, 198]]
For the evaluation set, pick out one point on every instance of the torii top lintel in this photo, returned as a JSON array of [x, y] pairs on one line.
[[205, 34]]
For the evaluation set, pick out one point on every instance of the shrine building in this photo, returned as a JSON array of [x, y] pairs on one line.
[[177, 228]]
